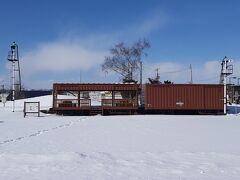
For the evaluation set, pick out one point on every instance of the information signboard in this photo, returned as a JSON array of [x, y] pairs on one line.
[[31, 107]]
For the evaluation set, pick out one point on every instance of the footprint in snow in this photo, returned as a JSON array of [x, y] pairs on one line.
[[7, 141], [19, 138]]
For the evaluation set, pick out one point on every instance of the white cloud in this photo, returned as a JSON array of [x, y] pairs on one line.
[[152, 23], [208, 73], [63, 58], [73, 50], [155, 21], [60, 56]]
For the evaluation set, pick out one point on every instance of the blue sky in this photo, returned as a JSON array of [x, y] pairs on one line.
[[67, 40]]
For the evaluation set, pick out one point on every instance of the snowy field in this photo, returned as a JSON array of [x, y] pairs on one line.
[[143, 147]]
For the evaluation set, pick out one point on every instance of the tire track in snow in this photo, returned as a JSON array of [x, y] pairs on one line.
[[40, 132]]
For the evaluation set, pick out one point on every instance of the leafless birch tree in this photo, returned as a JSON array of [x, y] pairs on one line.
[[125, 60]]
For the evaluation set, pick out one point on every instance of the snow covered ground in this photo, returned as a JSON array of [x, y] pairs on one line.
[[143, 147]]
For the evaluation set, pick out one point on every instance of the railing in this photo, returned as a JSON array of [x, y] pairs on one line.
[[86, 103], [73, 103], [66, 103], [119, 102], [107, 102]]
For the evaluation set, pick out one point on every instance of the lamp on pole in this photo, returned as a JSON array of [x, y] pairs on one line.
[[227, 69]]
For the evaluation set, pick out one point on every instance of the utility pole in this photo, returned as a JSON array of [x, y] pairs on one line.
[[191, 79], [158, 77], [80, 76], [141, 85]]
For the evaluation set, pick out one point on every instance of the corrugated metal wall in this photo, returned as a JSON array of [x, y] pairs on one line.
[[183, 97]]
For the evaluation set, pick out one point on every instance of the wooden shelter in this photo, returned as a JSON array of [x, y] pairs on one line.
[[95, 98]]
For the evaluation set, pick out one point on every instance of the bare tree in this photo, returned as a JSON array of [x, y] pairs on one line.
[[125, 60]]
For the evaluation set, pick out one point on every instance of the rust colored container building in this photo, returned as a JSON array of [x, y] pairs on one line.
[[95, 98], [198, 98]]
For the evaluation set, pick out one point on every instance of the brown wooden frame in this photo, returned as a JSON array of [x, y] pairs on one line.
[[115, 104]]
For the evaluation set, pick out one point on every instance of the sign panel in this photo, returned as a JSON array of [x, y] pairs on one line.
[[31, 107]]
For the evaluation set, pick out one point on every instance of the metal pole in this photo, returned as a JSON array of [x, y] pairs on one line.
[[13, 85], [19, 72], [225, 85], [13, 57], [191, 80], [141, 85], [80, 76], [225, 96]]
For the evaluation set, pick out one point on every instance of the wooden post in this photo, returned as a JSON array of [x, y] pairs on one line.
[[24, 110], [79, 99], [113, 98], [38, 108]]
